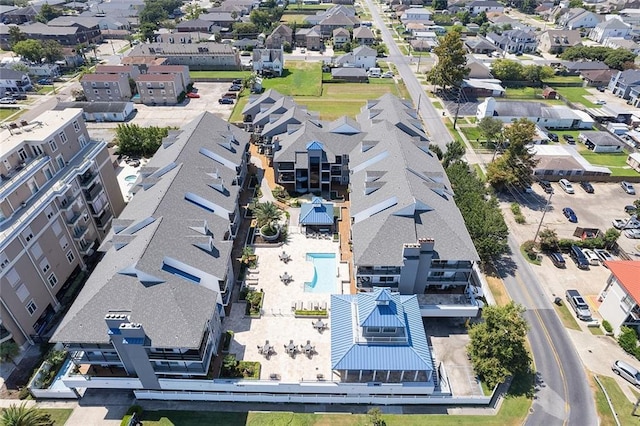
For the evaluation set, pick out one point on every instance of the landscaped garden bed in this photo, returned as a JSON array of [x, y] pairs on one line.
[[304, 313], [254, 301], [232, 368]]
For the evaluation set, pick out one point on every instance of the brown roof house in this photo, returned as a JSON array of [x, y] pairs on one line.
[[281, 35], [363, 36], [557, 41], [340, 37], [311, 38]]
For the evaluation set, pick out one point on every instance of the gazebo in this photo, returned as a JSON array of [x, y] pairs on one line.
[[317, 216]]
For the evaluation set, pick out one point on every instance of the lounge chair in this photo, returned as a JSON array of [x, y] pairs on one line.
[[324, 306]]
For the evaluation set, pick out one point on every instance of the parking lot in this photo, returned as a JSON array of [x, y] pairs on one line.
[[595, 210]]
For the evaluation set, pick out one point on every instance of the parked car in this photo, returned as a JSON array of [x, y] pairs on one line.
[[45, 81], [387, 74], [600, 102], [570, 214], [632, 233], [627, 187], [553, 137], [235, 88], [578, 304], [604, 256], [557, 259], [8, 101], [591, 256], [232, 95], [578, 257], [630, 209], [627, 372], [192, 95], [566, 186], [601, 89], [586, 185], [17, 96], [227, 101], [546, 186], [631, 223], [570, 140], [237, 81]]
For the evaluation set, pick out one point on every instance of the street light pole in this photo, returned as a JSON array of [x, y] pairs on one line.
[[546, 207]]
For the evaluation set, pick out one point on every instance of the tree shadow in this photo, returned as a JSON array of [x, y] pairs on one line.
[[505, 266], [525, 384]]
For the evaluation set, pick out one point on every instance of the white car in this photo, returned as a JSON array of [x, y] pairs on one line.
[[600, 102], [591, 256], [566, 186]]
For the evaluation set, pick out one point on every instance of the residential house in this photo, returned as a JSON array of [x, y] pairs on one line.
[[576, 18], [360, 57], [160, 89], [479, 45], [283, 34], [363, 36], [482, 87], [58, 195], [225, 20], [129, 71], [14, 81], [182, 37], [548, 116], [601, 141], [477, 69], [277, 118], [622, 43], [633, 161], [427, 39], [88, 29], [609, 28], [106, 87], [577, 67], [268, 61], [353, 75], [621, 295], [345, 10], [357, 355], [247, 44], [310, 38], [340, 37], [43, 70], [182, 71], [101, 111], [487, 6], [557, 41], [514, 41], [416, 14], [259, 103], [197, 26], [559, 161], [67, 36], [197, 56], [623, 81], [21, 15], [142, 283], [333, 22], [597, 78]]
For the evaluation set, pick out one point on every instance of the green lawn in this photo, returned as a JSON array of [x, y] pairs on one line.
[[566, 316], [472, 133], [615, 161], [311, 8], [45, 90], [576, 95], [436, 104], [523, 93], [621, 404], [291, 18], [563, 79], [5, 113], [299, 78]]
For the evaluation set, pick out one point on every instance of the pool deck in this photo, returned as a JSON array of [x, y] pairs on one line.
[[278, 323]]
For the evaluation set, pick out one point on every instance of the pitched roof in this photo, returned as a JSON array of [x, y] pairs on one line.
[[350, 350], [627, 272], [11, 74], [316, 212], [613, 24], [168, 250], [363, 32], [96, 107]]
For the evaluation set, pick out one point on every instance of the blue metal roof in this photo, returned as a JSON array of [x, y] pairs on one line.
[[382, 309], [316, 213], [315, 145], [348, 354]]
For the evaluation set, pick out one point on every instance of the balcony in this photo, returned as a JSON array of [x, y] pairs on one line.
[[448, 278], [4, 334], [82, 357], [439, 264], [286, 177], [87, 179], [449, 305], [66, 203], [93, 192], [73, 220], [14, 178], [85, 249], [104, 220], [191, 355], [79, 232], [372, 270]]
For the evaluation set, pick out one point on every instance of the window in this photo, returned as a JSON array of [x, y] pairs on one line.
[[76, 126], [52, 280], [37, 150], [13, 277], [47, 173], [374, 330], [36, 251], [56, 228], [63, 137], [60, 160], [389, 330], [82, 140], [31, 307], [44, 265], [53, 145], [70, 256], [64, 243], [85, 216], [4, 261], [22, 154], [27, 234], [22, 292], [49, 212], [33, 186]]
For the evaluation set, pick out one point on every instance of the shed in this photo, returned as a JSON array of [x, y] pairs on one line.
[[317, 215], [549, 93], [633, 160], [601, 141]]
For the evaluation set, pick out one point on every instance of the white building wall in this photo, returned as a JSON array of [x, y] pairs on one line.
[[611, 309]]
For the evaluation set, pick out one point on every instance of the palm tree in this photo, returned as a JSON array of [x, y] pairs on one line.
[[266, 213], [21, 415], [9, 351]]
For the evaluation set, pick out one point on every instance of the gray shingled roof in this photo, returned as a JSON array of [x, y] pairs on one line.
[[174, 310], [398, 112]]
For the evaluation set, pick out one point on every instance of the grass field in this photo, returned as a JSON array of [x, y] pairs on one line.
[[298, 79], [621, 404], [14, 113], [472, 133], [577, 95], [615, 161], [293, 17], [596, 331], [566, 316], [563, 79]]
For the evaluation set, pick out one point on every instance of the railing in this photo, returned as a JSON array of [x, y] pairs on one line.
[[378, 271], [79, 232], [104, 220], [74, 219], [446, 265], [87, 178], [92, 193], [15, 178]]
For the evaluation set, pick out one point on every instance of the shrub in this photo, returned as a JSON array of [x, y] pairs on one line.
[[520, 219], [529, 248], [227, 338], [628, 340], [607, 326], [515, 208]]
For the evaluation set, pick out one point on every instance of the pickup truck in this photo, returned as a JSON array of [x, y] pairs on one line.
[[578, 304]]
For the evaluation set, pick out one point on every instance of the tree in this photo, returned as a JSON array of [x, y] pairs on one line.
[[481, 18], [506, 69], [451, 67], [575, 3], [15, 35], [610, 237], [52, 51], [464, 17], [147, 31], [381, 50], [31, 50], [491, 129], [619, 58], [193, 11], [497, 344], [436, 150], [266, 213], [439, 4], [135, 140], [548, 240], [515, 166], [375, 417], [47, 13], [152, 13], [21, 415], [245, 28], [9, 351], [19, 66], [455, 151]]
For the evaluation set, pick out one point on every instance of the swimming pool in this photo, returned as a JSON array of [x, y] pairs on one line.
[[131, 178], [324, 273]]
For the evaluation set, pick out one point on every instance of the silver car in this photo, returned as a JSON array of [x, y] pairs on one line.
[[627, 372]]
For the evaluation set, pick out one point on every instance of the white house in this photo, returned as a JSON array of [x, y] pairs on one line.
[[578, 18], [268, 61], [611, 28], [601, 141], [415, 14], [360, 57], [486, 6], [13, 81], [633, 160], [548, 116], [621, 296]]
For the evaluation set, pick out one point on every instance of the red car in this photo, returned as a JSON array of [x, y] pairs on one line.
[[192, 95]]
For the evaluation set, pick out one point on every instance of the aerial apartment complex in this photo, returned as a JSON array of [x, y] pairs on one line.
[[58, 196]]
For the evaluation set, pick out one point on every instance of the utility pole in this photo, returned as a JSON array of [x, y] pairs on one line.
[[544, 212], [455, 118]]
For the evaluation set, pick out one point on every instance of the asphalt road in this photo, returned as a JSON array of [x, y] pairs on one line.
[[430, 117], [563, 396]]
